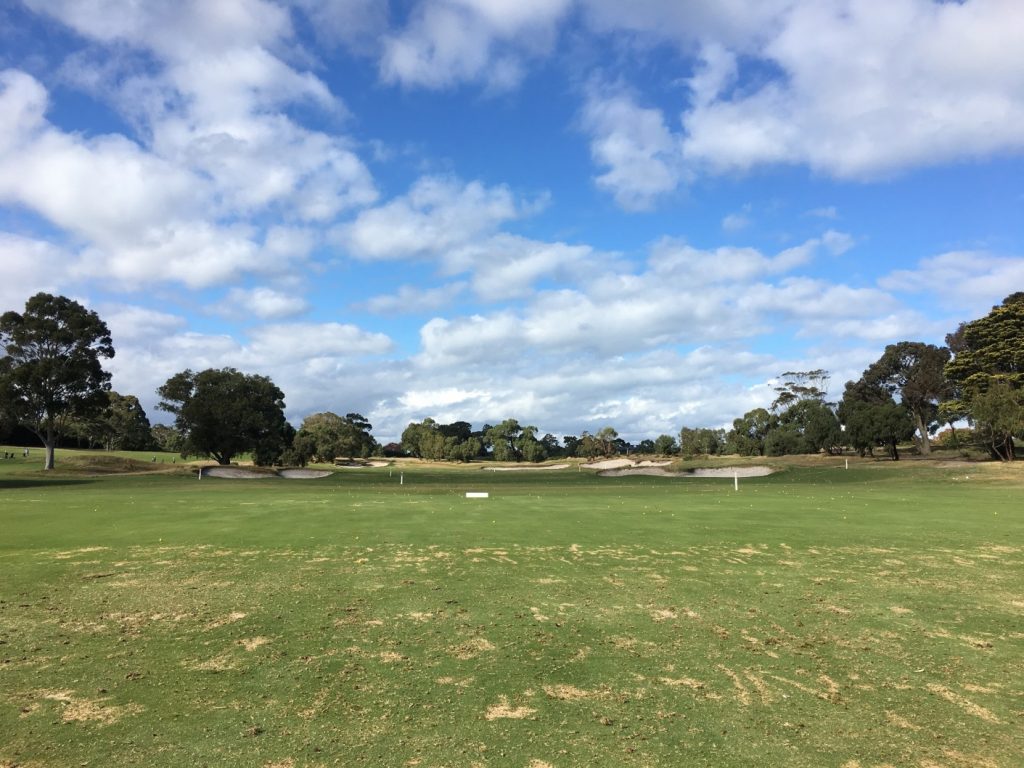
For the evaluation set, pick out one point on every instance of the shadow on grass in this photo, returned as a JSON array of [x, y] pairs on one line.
[[13, 483]]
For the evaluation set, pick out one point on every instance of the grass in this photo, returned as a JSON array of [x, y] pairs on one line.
[[819, 617]]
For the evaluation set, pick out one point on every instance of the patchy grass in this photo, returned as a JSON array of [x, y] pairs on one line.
[[819, 617]]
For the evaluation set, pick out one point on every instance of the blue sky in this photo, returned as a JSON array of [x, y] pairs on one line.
[[571, 212]]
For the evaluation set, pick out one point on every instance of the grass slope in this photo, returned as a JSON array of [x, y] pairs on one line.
[[819, 617]]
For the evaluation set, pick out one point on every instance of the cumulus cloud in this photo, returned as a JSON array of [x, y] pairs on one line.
[[299, 357], [435, 215], [447, 42], [641, 156], [410, 299], [863, 90], [976, 279], [261, 303], [29, 266], [206, 86]]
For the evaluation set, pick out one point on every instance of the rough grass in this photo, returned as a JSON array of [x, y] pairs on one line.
[[819, 617]]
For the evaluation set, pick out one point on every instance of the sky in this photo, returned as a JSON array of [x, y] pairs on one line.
[[575, 213]]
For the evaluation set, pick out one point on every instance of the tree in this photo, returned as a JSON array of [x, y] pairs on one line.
[[51, 372], [503, 439], [221, 413], [703, 441], [325, 436], [914, 371], [129, 427], [988, 354], [873, 418], [322, 438], [166, 438], [998, 415], [606, 437], [816, 423], [749, 432], [800, 385]]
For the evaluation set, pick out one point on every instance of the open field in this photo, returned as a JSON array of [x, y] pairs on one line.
[[818, 617]]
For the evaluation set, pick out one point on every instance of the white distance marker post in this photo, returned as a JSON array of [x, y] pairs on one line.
[[401, 479], [847, 463], [736, 480]]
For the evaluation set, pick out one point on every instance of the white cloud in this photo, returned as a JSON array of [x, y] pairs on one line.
[[735, 222], [292, 342], [437, 214], [299, 357], [261, 303], [447, 42], [29, 266], [136, 325], [206, 86], [863, 90], [410, 299], [975, 279], [825, 212], [871, 88], [642, 157]]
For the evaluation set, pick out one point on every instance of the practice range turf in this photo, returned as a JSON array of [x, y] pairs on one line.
[[817, 617]]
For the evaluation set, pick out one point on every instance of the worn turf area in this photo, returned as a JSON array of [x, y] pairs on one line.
[[818, 617]]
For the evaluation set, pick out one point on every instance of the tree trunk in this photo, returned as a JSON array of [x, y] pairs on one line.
[[925, 445], [49, 442]]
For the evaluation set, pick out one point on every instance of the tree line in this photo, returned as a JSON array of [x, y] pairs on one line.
[[52, 383]]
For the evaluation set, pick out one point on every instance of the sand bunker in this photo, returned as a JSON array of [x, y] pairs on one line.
[[360, 464], [303, 474], [237, 473], [624, 464], [234, 473], [525, 469], [707, 472], [731, 472]]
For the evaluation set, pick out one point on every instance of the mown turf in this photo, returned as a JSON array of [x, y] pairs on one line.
[[819, 617]]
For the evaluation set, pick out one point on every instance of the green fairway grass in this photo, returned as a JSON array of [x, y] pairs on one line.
[[817, 617]]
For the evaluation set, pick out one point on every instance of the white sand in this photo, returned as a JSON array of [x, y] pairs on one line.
[[656, 471], [303, 474], [732, 472], [609, 464], [524, 469], [361, 464], [234, 473]]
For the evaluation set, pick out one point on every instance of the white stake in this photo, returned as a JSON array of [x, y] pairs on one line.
[[847, 463], [736, 480], [401, 479]]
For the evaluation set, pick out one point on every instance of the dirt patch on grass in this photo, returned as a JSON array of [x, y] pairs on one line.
[[505, 711], [231, 618], [471, 648], [565, 692], [80, 710], [252, 643], [965, 704]]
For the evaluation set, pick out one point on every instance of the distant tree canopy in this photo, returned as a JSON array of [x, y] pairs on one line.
[[122, 426], [987, 373], [222, 413], [51, 372], [872, 419], [914, 372], [323, 437], [429, 440]]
